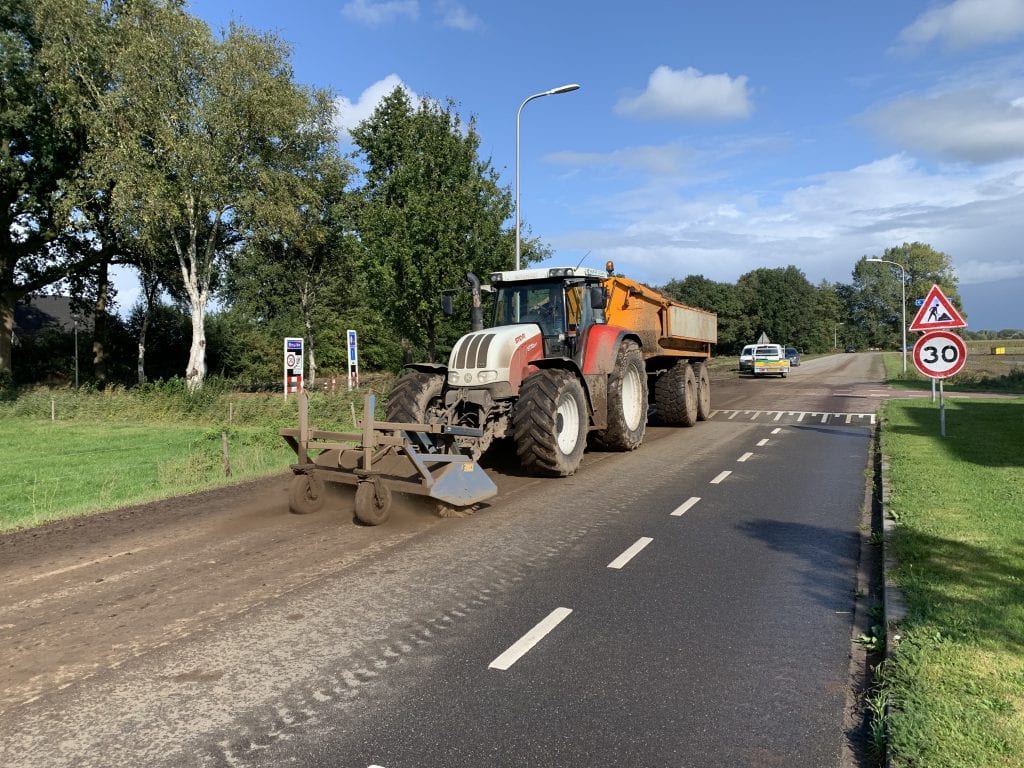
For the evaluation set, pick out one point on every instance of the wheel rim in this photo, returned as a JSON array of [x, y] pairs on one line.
[[568, 424], [632, 399]]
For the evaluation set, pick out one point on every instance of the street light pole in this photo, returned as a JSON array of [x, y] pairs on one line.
[[552, 92], [903, 307]]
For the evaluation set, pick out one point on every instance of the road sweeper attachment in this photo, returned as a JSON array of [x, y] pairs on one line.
[[418, 459]]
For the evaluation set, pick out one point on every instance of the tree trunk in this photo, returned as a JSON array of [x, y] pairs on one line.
[[99, 333], [195, 374], [6, 333], [149, 288]]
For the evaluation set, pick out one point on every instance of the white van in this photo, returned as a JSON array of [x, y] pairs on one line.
[[770, 359], [747, 358]]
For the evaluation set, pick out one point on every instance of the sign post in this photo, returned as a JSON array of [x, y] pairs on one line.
[[293, 365], [936, 312], [940, 354], [353, 359]]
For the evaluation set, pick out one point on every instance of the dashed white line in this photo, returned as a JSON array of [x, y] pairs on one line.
[[824, 417], [721, 476], [630, 553], [745, 456], [762, 443], [756, 414], [778, 415], [801, 417], [776, 430], [685, 506], [521, 646], [734, 415]]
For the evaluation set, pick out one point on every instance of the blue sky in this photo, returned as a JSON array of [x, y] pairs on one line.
[[714, 138]]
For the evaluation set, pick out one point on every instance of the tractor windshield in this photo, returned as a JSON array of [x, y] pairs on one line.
[[541, 303]]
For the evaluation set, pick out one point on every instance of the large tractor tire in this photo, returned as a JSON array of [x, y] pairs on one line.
[[700, 373], [414, 396], [675, 396], [627, 401], [549, 424]]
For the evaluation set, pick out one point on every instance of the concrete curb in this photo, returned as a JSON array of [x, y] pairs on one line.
[[894, 607]]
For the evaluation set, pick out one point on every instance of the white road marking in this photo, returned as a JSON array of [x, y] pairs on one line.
[[630, 553], [776, 430], [801, 416], [824, 417], [756, 414], [849, 416], [521, 646], [745, 456], [762, 443], [778, 415], [721, 476], [712, 414], [686, 505], [734, 414]]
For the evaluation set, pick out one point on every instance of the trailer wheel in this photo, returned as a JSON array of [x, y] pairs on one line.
[[306, 494], [413, 397], [627, 401], [549, 424], [700, 372], [675, 396], [373, 502]]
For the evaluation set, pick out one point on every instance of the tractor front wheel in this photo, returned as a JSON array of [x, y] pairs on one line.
[[549, 424]]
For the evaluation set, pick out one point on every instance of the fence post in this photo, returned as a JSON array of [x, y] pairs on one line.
[[224, 453]]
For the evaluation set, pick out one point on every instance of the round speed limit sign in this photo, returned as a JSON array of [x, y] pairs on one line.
[[940, 354]]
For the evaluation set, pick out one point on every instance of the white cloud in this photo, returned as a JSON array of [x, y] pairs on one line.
[[348, 114], [455, 15], [975, 126], [689, 95], [375, 14], [656, 233], [967, 23]]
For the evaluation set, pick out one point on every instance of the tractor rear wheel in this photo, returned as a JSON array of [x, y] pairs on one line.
[[700, 372], [306, 494], [675, 396], [414, 397], [627, 401], [549, 424]]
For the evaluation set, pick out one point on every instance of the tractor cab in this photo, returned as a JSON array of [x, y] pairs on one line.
[[563, 302]]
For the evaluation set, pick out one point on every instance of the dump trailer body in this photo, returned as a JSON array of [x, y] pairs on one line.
[[666, 327]]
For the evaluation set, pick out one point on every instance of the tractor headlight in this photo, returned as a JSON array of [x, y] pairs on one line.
[[485, 377]]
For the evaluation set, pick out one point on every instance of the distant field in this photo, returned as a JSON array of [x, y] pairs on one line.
[[59, 469], [983, 370]]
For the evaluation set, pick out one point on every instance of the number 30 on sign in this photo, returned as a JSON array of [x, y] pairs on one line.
[[940, 354]]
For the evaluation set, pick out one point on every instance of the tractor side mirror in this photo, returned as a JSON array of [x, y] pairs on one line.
[[598, 297], [447, 305]]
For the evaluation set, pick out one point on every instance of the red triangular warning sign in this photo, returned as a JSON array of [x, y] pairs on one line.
[[937, 312]]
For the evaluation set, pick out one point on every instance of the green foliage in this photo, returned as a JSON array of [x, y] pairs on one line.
[[431, 211]]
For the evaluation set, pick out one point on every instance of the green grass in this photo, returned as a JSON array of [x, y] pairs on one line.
[[65, 453], [956, 680]]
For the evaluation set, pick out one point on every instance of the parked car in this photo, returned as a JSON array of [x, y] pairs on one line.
[[793, 355], [850, 348], [747, 358]]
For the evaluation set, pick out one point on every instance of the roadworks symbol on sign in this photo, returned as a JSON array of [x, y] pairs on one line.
[[937, 312]]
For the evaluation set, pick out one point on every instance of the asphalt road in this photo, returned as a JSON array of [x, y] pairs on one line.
[[721, 636]]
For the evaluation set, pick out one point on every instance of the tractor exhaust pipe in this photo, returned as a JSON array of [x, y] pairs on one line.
[[476, 312]]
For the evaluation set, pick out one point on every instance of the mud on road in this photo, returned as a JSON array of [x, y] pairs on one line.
[[84, 595]]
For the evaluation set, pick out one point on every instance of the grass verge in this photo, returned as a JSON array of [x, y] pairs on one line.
[[956, 680], [65, 453]]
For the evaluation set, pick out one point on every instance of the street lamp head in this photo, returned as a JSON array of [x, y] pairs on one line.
[[874, 259], [563, 89]]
